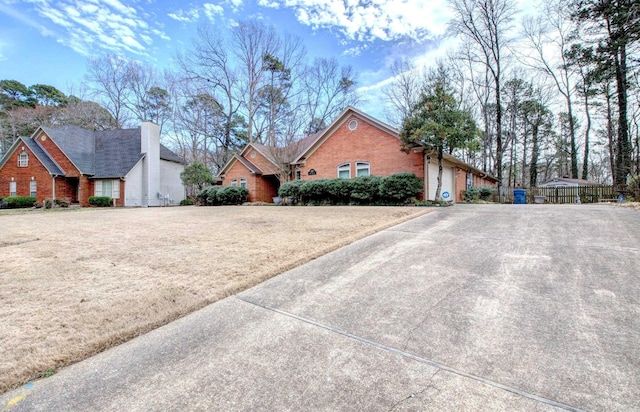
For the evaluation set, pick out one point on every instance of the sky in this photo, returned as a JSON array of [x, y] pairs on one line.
[[51, 41]]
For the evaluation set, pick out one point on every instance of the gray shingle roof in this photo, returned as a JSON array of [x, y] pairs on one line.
[[44, 158], [167, 154], [116, 152], [78, 144], [103, 153]]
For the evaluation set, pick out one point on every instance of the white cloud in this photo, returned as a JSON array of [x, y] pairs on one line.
[[185, 16], [370, 20], [212, 10], [235, 5], [89, 25], [272, 4]]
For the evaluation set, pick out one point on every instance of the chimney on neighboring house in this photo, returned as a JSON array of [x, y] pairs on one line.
[[150, 146]]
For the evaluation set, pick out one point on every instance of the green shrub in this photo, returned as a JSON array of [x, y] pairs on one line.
[[201, 197], [366, 189], [187, 202], [19, 202], [486, 193], [471, 195], [222, 195], [100, 201], [232, 195], [400, 187], [339, 191], [212, 198], [291, 190], [315, 191]]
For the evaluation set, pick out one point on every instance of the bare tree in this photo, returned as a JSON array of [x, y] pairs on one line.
[[403, 93], [328, 89], [110, 76], [548, 35], [485, 24], [250, 42]]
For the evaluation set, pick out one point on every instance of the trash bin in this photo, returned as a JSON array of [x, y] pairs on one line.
[[519, 196]]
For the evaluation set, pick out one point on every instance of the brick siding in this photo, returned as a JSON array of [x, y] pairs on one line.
[[367, 143]]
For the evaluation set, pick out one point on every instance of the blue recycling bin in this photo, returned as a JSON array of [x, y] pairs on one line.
[[519, 196]]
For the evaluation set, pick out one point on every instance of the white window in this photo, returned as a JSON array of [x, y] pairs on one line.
[[344, 171], [243, 182], [234, 182], [23, 159], [363, 169], [12, 188], [33, 188], [109, 188]]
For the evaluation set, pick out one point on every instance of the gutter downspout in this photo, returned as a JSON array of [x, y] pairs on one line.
[[53, 189]]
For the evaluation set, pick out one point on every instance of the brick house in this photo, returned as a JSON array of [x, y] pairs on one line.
[[130, 166], [355, 144]]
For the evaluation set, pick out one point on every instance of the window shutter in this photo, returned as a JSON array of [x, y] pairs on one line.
[[116, 189], [97, 189]]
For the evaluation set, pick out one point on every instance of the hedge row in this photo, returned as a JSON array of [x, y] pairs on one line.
[[474, 194], [17, 202], [222, 195], [399, 188]]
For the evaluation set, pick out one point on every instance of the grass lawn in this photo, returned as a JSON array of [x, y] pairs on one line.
[[73, 283]]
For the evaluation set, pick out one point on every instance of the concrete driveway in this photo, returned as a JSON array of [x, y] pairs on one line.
[[487, 307]]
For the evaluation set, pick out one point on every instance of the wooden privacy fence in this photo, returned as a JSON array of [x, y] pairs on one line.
[[569, 194]]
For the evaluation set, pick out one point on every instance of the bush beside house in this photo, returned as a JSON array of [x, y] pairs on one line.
[[395, 189], [474, 194], [17, 202], [100, 201], [222, 195]]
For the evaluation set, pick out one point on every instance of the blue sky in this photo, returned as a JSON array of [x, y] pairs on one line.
[[49, 41]]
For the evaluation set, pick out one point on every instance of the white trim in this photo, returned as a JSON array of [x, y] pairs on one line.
[[363, 166], [344, 167]]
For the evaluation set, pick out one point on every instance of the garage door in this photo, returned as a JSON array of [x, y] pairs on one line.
[[446, 192]]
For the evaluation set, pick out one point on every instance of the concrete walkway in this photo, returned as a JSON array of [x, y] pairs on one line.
[[482, 308]]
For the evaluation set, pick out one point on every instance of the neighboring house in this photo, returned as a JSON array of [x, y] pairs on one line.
[[355, 144], [130, 166], [568, 182]]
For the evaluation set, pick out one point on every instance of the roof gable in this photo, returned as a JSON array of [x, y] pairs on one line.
[[34, 147], [316, 140], [248, 159]]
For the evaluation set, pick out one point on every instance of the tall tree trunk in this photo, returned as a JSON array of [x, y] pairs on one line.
[[572, 139], [535, 149], [498, 137], [623, 160], [585, 161], [610, 140], [439, 187]]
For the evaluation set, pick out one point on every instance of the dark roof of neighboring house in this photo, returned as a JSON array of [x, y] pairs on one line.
[[567, 180], [103, 153]]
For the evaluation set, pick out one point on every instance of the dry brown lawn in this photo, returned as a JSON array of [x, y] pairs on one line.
[[73, 283]]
